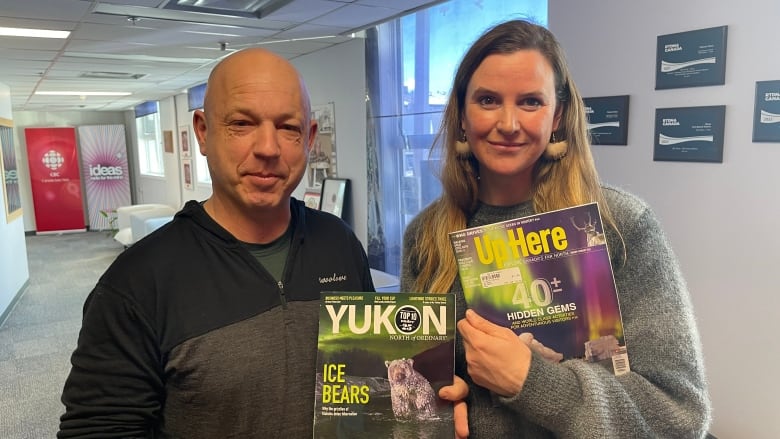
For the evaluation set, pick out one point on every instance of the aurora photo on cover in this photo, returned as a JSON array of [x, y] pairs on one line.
[[548, 274]]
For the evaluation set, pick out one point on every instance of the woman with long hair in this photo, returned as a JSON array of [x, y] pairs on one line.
[[514, 142]]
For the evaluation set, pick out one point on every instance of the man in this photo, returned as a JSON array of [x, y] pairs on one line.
[[208, 327]]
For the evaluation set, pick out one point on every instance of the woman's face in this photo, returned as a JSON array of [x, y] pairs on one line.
[[509, 115]]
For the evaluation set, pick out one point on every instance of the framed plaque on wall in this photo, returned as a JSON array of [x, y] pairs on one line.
[[689, 134], [607, 119], [691, 59], [766, 115]]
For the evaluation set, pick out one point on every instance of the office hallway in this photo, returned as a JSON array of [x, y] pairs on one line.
[[40, 332]]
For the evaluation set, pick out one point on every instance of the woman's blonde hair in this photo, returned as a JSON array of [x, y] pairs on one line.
[[570, 181]]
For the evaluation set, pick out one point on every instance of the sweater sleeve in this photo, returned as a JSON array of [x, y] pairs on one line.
[[114, 388], [665, 394]]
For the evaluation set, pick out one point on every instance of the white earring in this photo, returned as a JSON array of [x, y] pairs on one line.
[[461, 145], [556, 150]]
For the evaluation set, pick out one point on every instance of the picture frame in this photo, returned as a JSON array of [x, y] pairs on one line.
[[607, 119], [187, 177], [9, 171], [691, 59], [334, 196], [322, 160], [689, 134], [184, 141], [766, 112], [168, 141], [311, 199]]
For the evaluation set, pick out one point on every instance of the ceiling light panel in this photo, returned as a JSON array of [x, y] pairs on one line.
[[172, 15], [82, 93], [236, 8], [33, 33], [305, 10]]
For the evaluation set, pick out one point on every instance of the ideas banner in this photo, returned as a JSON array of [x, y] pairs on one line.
[[55, 179], [105, 170]]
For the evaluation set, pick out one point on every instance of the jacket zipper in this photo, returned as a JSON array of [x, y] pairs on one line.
[[282, 297]]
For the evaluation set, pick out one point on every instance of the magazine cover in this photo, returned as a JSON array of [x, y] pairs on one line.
[[381, 360], [549, 276]]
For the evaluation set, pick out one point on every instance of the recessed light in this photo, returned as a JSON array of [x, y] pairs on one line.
[[33, 33], [83, 93]]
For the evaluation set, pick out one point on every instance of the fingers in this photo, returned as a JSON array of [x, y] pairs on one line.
[[456, 393], [461, 420], [541, 349], [474, 323], [527, 338]]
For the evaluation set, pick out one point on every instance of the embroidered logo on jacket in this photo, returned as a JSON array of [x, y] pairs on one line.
[[334, 278]]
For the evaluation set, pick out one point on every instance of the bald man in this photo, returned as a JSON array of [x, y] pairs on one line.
[[207, 328]]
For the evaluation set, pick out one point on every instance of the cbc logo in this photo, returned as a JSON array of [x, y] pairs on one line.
[[53, 160]]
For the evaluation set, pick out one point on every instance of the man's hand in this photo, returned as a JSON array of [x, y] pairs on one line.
[[457, 393]]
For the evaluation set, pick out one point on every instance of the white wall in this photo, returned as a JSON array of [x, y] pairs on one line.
[[721, 218], [338, 75], [14, 273]]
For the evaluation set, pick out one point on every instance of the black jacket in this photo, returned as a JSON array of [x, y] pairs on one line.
[[187, 335]]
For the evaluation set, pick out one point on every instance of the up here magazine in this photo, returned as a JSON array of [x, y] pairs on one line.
[[548, 277]]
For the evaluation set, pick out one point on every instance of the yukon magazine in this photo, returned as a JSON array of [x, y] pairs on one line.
[[381, 360]]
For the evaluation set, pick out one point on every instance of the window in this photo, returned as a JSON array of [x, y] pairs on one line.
[[410, 63], [195, 96], [150, 150], [201, 167]]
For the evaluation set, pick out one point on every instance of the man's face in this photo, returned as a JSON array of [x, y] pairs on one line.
[[256, 133]]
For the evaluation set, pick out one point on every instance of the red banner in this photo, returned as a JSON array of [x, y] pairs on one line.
[[55, 179]]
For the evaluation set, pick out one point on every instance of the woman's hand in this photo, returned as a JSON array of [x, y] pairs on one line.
[[457, 393], [497, 359], [536, 346]]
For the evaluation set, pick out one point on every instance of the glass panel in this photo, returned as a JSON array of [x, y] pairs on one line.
[[411, 62], [201, 168]]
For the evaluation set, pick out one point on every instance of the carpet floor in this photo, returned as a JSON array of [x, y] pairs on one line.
[[40, 332]]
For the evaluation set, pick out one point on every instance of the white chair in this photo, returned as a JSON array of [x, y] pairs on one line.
[[144, 222], [124, 234], [385, 282]]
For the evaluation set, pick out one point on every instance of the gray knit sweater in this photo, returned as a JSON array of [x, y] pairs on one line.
[[665, 394]]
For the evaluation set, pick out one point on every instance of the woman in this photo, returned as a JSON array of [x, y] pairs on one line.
[[515, 143]]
